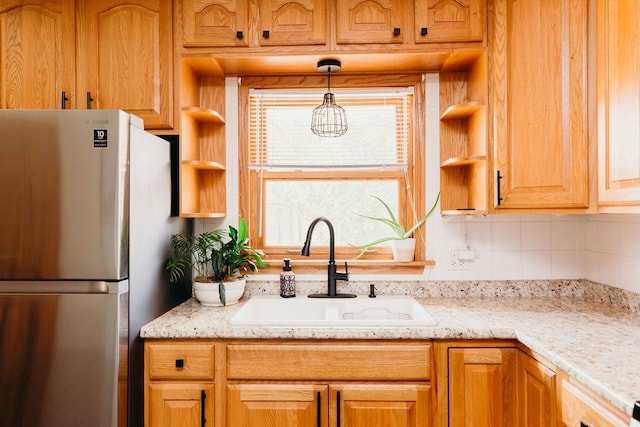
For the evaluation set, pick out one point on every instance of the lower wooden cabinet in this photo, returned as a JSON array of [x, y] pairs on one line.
[[536, 393], [482, 387], [398, 405], [580, 407], [362, 383], [494, 386], [180, 404], [313, 405]]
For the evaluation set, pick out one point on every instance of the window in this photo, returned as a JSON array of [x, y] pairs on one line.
[[289, 176]]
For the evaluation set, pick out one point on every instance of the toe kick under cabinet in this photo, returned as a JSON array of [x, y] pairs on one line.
[[289, 383]]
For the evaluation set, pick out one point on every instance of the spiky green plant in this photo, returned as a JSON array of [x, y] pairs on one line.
[[399, 231]]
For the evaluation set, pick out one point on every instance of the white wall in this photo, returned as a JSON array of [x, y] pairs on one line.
[[603, 248]]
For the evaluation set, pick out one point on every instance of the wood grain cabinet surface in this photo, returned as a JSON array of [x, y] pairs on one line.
[[581, 407], [493, 384], [89, 54], [449, 21], [618, 99], [179, 383], [538, 81], [245, 23], [37, 54], [125, 57]]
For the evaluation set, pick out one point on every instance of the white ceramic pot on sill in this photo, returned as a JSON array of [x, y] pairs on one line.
[[403, 250], [207, 293]]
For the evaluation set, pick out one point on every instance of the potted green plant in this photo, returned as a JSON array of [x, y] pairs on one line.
[[221, 257], [402, 242]]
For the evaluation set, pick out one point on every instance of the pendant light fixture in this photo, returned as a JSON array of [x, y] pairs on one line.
[[329, 120]]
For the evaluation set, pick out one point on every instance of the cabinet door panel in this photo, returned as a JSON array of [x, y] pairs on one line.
[[539, 97], [125, 57], [282, 405], [619, 102], [482, 387], [447, 20], [37, 53], [183, 405], [537, 397], [367, 405], [300, 22], [369, 21], [215, 23]]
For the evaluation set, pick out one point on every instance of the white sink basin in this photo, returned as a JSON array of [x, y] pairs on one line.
[[384, 310]]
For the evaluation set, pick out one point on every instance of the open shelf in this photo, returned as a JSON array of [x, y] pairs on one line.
[[203, 164], [462, 110], [463, 136], [203, 114], [203, 141], [462, 161]]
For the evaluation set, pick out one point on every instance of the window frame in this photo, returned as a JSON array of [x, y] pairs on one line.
[[415, 173]]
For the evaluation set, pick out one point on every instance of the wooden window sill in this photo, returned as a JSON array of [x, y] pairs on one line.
[[317, 266]]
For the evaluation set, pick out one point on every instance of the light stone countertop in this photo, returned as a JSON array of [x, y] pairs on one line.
[[589, 330]]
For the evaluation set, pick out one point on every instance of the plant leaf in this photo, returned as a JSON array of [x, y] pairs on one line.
[[423, 219], [223, 295]]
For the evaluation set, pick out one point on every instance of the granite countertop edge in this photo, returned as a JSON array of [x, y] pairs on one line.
[[586, 334]]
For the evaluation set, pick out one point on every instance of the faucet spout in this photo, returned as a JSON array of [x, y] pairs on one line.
[[332, 274], [306, 249]]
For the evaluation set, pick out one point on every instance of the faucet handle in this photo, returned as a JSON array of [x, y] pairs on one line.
[[346, 269]]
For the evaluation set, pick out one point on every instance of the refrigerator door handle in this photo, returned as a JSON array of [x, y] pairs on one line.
[[64, 287]]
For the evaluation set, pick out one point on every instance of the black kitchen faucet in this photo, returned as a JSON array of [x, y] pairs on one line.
[[332, 274]]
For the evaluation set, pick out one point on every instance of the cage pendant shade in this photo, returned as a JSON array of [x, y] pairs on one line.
[[329, 120]]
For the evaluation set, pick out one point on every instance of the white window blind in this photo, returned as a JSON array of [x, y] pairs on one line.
[[280, 137]]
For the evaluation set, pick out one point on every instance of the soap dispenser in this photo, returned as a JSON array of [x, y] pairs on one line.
[[287, 280]]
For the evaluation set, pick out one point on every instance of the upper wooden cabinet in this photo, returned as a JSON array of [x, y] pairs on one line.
[[370, 21], [300, 22], [618, 99], [37, 54], [215, 23], [538, 81], [125, 57], [228, 23], [119, 53], [449, 20], [329, 24]]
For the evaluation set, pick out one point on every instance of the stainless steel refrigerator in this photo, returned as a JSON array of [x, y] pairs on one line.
[[85, 224]]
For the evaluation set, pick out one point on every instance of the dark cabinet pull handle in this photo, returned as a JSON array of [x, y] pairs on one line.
[[319, 409], [265, 34], [338, 410], [424, 31], [239, 35], [498, 179], [64, 100], [89, 100], [396, 31], [203, 419], [179, 363]]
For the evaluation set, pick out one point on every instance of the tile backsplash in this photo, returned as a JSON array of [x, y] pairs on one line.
[[604, 248]]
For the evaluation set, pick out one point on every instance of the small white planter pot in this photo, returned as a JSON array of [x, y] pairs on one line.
[[403, 250], [207, 293]]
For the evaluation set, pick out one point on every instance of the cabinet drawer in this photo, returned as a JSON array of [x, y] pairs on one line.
[[181, 361], [398, 362], [581, 408]]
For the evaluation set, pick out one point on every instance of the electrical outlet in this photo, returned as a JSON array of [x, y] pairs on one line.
[[455, 263]]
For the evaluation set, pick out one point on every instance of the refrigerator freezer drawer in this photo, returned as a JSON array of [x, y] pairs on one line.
[[63, 359]]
